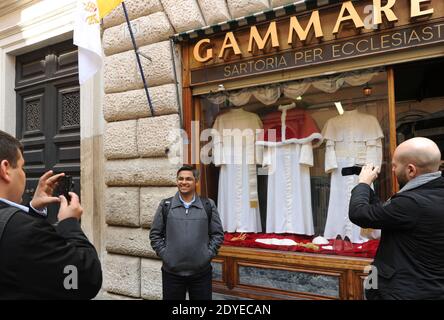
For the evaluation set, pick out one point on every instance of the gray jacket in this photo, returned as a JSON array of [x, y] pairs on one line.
[[187, 247]]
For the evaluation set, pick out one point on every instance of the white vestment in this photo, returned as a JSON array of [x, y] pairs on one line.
[[289, 207], [237, 195], [353, 138]]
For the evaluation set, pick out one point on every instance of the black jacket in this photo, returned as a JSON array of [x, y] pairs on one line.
[[187, 246], [36, 259], [410, 257]]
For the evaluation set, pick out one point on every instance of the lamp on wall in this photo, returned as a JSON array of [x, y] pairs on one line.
[[367, 90]]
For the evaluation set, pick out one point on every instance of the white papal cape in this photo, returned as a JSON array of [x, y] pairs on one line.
[[289, 159], [353, 138]]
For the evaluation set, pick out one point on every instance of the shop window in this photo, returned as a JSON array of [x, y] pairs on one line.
[[420, 101], [293, 196]]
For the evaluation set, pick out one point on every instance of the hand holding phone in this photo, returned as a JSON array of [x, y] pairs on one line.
[[66, 185]]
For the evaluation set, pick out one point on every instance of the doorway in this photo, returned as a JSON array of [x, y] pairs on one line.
[[48, 115]]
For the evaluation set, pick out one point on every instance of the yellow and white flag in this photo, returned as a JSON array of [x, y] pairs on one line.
[[87, 34], [106, 6]]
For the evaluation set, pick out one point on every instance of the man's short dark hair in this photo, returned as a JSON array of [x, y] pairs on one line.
[[189, 168], [9, 147]]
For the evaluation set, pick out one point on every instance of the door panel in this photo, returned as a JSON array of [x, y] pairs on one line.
[[48, 114]]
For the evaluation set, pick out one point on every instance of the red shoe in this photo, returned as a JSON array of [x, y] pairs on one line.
[[348, 246], [338, 244]]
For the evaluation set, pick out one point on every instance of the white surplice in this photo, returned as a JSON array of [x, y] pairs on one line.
[[289, 207], [353, 138], [237, 195]]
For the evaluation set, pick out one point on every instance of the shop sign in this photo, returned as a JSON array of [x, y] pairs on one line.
[[414, 35]]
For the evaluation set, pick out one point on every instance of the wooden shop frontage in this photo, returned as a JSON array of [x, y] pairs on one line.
[[311, 90]]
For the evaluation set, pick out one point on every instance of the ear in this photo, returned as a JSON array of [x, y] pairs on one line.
[[4, 170], [411, 170]]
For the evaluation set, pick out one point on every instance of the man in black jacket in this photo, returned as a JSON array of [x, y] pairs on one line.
[[186, 234], [37, 260], [410, 258]]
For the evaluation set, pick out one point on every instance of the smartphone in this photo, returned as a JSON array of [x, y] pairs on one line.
[[349, 171], [66, 185]]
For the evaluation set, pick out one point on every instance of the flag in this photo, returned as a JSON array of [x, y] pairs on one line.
[[87, 34], [106, 6]]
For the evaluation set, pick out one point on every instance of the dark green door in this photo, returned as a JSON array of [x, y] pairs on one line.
[[48, 114]]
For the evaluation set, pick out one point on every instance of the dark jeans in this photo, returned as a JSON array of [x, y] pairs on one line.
[[199, 286]]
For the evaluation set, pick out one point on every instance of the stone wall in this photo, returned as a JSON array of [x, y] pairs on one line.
[[137, 171]]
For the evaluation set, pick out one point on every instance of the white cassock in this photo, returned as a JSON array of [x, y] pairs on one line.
[[237, 195], [353, 138], [289, 160]]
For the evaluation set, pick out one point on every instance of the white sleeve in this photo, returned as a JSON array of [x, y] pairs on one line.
[[306, 156], [330, 156], [374, 152]]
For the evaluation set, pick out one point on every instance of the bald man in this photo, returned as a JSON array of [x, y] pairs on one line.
[[409, 262]]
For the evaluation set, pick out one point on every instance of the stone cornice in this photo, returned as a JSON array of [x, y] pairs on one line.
[[43, 19], [8, 6]]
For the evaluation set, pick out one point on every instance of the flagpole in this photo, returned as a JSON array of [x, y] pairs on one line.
[[136, 50]]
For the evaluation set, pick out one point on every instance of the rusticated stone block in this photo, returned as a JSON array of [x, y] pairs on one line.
[[184, 14], [122, 275], [150, 29], [240, 8], [149, 202], [140, 172], [135, 8], [157, 134], [129, 241], [214, 11], [122, 206], [134, 104], [121, 71], [151, 279], [120, 140]]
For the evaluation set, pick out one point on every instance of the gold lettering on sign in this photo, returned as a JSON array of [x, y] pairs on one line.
[[227, 71], [413, 37], [229, 42], [439, 26], [383, 10], [428, 31], [197, 49], [315, 22], [360, 48], [378, 9], [397, 38], [415, 8], [260, 65], [352, 15], [261, 42]]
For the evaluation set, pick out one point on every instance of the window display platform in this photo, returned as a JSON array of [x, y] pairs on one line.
[[301, 243], [255, 273]]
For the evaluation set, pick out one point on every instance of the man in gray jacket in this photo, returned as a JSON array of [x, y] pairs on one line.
[[186, 234]]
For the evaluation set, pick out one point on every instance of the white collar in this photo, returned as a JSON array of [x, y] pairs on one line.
[[187, 203], [13, 204]]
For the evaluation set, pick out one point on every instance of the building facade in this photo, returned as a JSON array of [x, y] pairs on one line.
[[201, 57]]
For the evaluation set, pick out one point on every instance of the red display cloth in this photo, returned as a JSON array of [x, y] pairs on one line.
[[299, 124], [366, 250]]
